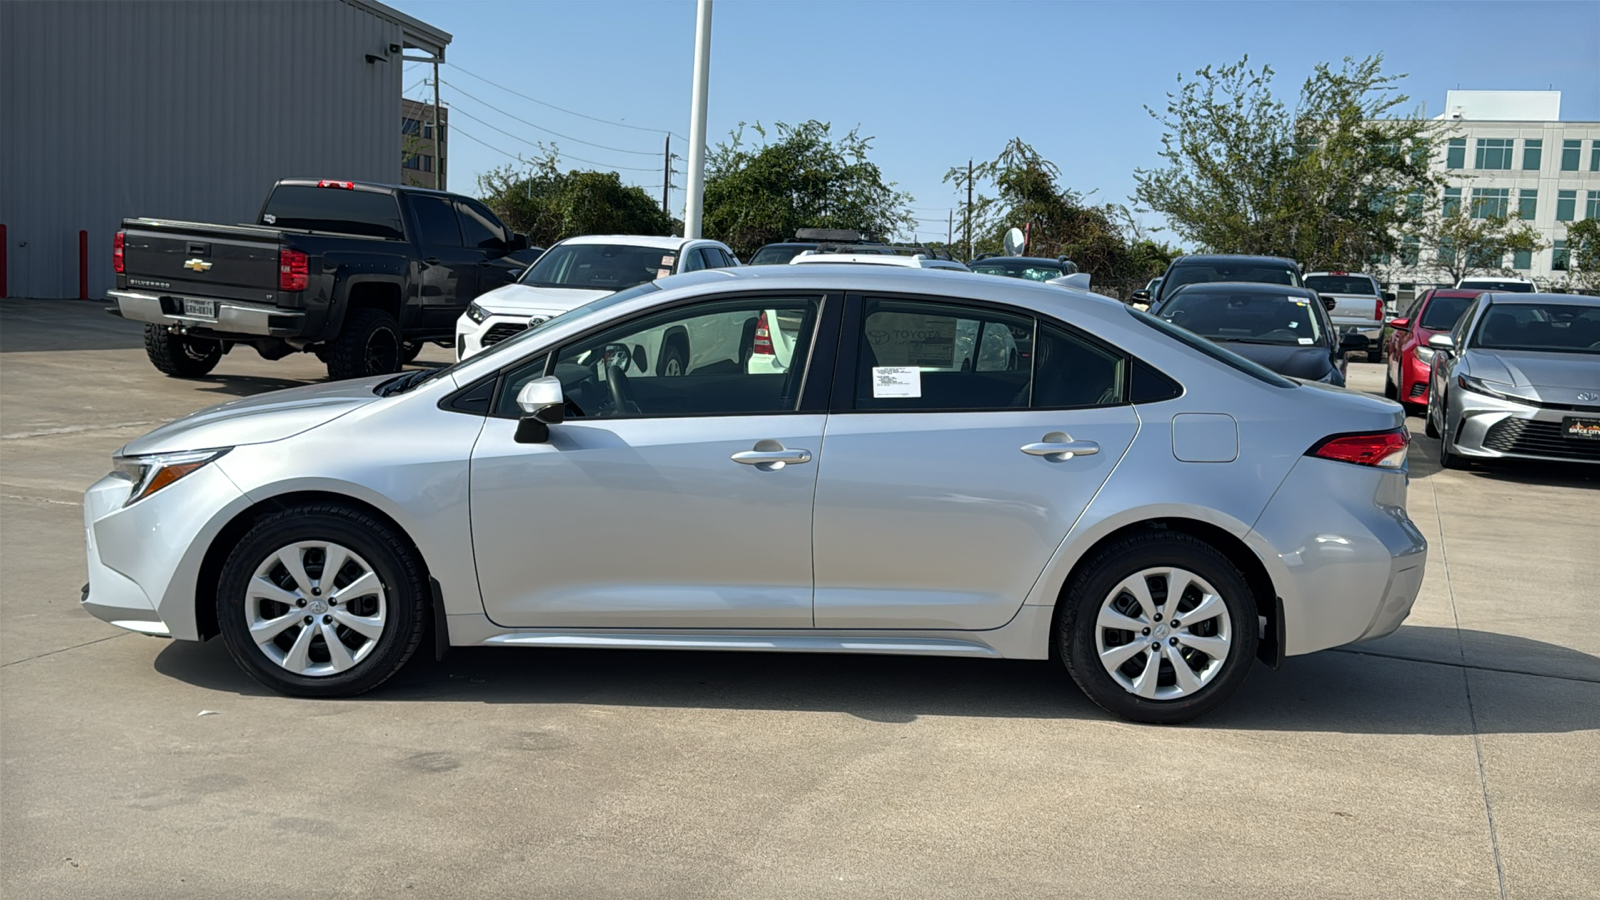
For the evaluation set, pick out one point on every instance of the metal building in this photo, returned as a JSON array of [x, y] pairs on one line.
[[182, 110]]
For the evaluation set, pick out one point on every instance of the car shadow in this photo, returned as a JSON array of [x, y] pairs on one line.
[[1344, 692]]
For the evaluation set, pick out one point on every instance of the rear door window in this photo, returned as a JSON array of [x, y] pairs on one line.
[[917, 355], [335, 209], [436, 219]]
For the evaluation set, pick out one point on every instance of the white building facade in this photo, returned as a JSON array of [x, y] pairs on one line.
[[1508, 153]]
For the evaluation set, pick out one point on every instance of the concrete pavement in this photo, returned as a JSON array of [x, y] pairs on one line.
[[1456, 758]]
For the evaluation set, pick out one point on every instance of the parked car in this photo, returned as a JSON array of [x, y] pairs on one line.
[[1029, 267], [363, 275], [1187, 270], [1359, 305], [1119, 493], [1410, 359], [1494, 283], [1143, 295], [1518, 376], [1286, 329], [818, 240], [917, 261], [578, 270]]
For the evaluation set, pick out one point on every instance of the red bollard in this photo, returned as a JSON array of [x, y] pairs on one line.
[[83, 265]]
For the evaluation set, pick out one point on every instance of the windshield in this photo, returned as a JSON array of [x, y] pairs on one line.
[[1542, 327], [1487, 284], [1249, 272], [1030, 271], [1252, 317], [1443, 313], [778, 254], [1342, 284], [1220, 354], [599, 267]]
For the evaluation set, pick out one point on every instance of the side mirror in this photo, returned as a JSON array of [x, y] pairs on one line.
[[1388, 297], [1442, 342], [542, 404], [1353, 341], [1329, 301], [1400, 324], [518, 242], [1139, 296]]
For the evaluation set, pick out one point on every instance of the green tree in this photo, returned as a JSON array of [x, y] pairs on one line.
[[1464, 245], [1331, 182], [1583, 256], [805, 178], [549, 205]]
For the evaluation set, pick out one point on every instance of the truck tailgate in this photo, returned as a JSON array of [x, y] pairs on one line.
[[229, 263], [1356, 306]]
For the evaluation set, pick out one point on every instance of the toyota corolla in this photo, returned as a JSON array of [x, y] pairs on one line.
[[1106, 489]]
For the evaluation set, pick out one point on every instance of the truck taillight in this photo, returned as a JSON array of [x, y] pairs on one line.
[[1383, 449], [763, 342], [294, 270], [1378, 313], [116, 253]]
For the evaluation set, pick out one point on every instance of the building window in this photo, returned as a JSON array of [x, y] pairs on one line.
[[1527, 204], [1566, 205], [1483, 258], [1490, 203], [1594, 156], [1570, 151], [1559, 257], [1493, 153], [1591, 205], [418, 161], [1452, 201], [1456, 154], [1532, 154], [1410, 250], [1521, 260], [410, 126]]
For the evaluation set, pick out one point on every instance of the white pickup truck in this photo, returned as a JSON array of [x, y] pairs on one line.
[[1359, 305]]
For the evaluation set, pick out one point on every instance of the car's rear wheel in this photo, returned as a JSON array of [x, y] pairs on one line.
[[1159, 627], [321, 601], [178, 355]]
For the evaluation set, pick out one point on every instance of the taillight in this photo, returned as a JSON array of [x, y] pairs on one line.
[[1377, 312], [1384, 449], [116, 253], [294, 270], [763, 342]]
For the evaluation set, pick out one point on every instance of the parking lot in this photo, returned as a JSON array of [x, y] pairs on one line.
[[1455, 758]]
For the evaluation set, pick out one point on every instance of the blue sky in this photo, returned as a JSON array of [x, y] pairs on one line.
[[937, 82]]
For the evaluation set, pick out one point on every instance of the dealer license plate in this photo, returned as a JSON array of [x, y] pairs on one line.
[[1588, 429], [200, 309]]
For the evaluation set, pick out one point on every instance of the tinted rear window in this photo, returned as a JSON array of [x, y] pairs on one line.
[[1342, 284], [333, 209], [1226, 357], [776, 256], [1251, 272], [1487, 284], [1442, 313]]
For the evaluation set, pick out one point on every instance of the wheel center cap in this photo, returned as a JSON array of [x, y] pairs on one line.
[[1161, 631], [317, 607]]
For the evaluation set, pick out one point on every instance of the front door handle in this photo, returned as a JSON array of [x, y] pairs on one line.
[[1059, 445], [770, 456]]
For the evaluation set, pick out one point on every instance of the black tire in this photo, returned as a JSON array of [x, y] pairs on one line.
[[1100, 576], [1428, 427], [178, 355], [369, 344], [392, 560], [1450, 460], [409, 350], [674, 360], [1389, 390], [1375, 356]]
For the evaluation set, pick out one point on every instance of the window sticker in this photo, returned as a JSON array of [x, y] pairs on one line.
[[662, 273], [1307, 341], [668, 260], [270, 219], [896, 381]]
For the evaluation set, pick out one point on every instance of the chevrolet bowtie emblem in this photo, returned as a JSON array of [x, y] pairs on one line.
[[197, 265]]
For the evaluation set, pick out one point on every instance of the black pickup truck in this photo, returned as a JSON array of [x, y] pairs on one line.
[[363, 275]]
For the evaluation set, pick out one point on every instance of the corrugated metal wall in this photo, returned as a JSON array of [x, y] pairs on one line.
[[181, 110]]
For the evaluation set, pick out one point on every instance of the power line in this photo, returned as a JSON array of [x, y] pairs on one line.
[[420, 83], [558, 134], [562, 109], [457, 130], [524, 140]]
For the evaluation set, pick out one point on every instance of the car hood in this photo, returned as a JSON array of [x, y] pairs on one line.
[[258, 420], [1550, 377], [1309, 362], [521, 298]]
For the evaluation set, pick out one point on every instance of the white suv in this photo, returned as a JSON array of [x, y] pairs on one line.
[[575, 271], [918, 261]]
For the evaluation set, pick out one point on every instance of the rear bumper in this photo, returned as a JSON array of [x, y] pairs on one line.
[[232, 317]]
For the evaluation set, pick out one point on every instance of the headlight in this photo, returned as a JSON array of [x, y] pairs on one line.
[[149, 474], [1425, 355], [1490, 388], [476, 313]]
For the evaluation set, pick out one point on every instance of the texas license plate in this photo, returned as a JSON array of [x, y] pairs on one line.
[[200, 309], [1588, 429]]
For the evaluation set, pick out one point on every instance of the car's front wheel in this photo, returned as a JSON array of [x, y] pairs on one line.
[[321, 601], [1159, 627]]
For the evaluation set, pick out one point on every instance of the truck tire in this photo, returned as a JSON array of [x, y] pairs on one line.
[[368, 345], [409, 351], [180, 356]]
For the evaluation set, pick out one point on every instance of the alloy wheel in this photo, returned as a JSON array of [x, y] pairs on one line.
[[1163, 633], [315, 608]]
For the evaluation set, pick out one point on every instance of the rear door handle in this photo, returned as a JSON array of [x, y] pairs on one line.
[[432, 260], [1060, 446], [769, 456]]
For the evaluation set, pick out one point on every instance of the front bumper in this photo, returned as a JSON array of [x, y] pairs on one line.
[[1486, 427], [232, 317], [1413, 384], [473, 338]]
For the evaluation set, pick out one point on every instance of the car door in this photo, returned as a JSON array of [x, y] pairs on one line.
[[680, 502], [449, 269], [964, 443]]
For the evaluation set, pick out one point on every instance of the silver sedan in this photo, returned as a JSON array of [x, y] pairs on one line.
[[1519, 377], [886, 461]]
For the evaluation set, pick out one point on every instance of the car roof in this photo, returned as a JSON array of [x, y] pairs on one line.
[[1507, 298], [1018, 259], [636, 240], [878, 259], [948, 283], [1454, 292], [1215, 258]]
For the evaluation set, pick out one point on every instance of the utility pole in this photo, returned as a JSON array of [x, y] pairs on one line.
[[969, 209], [694, 204], [666, 175], [438, 159]]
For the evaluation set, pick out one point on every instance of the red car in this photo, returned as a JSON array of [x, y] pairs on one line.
[[1410, 359]]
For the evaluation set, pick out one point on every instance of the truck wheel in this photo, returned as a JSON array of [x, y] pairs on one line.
[[178, 355], [368, 345], [409, 351]]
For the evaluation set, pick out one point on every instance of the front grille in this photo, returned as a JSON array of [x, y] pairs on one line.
[[1418, 389], [500, 332], [1539, 439]]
